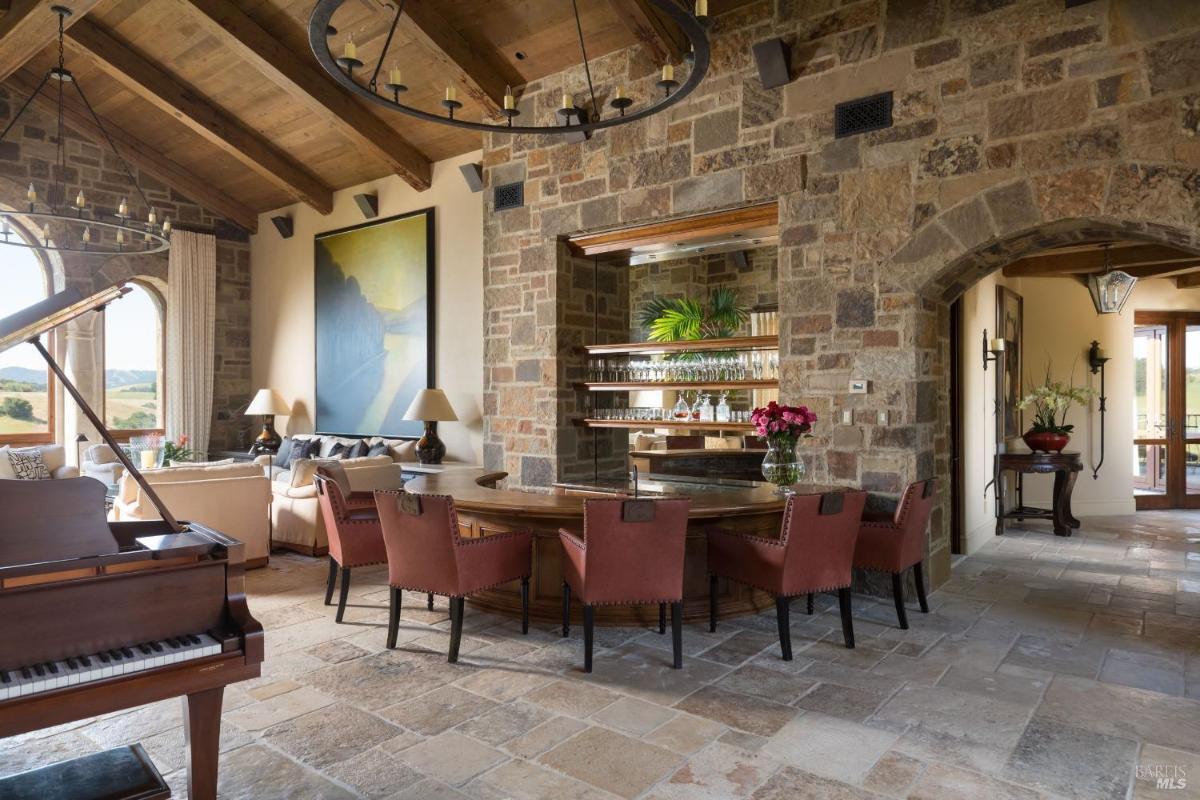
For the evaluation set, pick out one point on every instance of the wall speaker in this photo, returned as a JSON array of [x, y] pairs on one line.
[[739, 259], [284, 225], [368, 204], [771, 57], [473, 175]]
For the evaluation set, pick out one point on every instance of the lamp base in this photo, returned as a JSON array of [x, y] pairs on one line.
[[430, 449], [269, 441]]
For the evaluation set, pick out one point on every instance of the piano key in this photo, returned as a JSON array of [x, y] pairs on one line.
[[72, 664], [50, 665], [145, 649], [5, 677], [125, 651], [87, 662]]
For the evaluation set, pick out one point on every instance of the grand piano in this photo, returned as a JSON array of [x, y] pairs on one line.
[[98, 616]]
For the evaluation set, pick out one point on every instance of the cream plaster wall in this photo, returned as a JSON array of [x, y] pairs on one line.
[[1060, 324], [282, 338]]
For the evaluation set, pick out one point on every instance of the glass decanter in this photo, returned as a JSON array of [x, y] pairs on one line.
[[723, 411]]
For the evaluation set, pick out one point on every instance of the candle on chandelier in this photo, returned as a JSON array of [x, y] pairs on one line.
[[395, 77], [152, 217], [123, 209], [568, 101], [87, 235], [668, 73], [451, 94], [620, 95], [80, 200], [120, 236], [350, 49], [31, 195], [510, 102], [166, 225], [701, 8]]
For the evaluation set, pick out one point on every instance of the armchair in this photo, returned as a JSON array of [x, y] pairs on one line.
[[100, 462], [352, 524], [894, 542]]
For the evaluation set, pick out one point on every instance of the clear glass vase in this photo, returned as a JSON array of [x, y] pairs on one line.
[[782, 466]]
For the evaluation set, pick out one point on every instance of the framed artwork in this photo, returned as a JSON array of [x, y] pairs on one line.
[[1009, 318], [374, 298]]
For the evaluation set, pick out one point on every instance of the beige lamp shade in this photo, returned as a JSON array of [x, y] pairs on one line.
[[267, 403], [431, 405]]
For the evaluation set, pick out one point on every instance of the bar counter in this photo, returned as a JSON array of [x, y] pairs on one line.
[[483, 510]]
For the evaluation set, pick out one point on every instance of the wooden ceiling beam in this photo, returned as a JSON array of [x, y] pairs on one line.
[[151, 82], [649, 29], [226, 21], [139, 154], [479, 74], [1189, 281], [29, 26], [1167, 270], [1082, 261]]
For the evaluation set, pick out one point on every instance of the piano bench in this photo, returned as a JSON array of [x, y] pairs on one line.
[[123, 772]]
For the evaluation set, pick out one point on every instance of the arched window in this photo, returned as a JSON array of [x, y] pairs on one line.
[[133, 356], [26, 388]]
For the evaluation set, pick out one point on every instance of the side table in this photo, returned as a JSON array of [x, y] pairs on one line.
[[1065, 467]]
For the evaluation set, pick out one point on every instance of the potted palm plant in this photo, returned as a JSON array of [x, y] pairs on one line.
[[685, 319], [1050, 402]]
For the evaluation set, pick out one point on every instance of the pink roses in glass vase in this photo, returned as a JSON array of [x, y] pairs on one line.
[[782, 427]]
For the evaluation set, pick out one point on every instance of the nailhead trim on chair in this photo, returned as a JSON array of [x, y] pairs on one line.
[[423, 590], [582, 545]]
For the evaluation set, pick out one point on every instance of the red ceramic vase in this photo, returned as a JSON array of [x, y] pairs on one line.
[[1046, 441]]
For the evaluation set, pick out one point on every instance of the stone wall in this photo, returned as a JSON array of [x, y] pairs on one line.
[[27, 155], [1018, 123]]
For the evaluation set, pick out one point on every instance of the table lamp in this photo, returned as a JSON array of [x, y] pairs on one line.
[[431, 406], [267, 403]]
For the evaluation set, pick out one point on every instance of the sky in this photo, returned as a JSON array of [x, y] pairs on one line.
[[22, 283]]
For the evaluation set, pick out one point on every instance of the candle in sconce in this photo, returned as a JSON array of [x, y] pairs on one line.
[[395, 77], [166, 225], [997, 345], [31, 195], [668, 73], [567, 101], [87, 235], [80, 200], [1101, 354], [153, 217], [620, 95], [701, 8], [120, 236], [510, 102], [123, 209], [350, 49], [451, 94]]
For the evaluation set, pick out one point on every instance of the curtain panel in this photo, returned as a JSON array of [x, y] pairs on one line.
[[191, 322]]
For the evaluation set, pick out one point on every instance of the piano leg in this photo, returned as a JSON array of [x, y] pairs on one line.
[[202, 733]]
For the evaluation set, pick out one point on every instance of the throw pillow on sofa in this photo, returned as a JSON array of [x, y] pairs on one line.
[[28, 465], [302, 449], [6, 470]]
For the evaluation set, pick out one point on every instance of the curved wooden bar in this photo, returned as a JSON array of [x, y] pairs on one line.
[[483, 510]]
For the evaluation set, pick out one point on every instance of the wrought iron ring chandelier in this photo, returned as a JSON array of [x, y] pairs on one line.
[[571, 117], [116, 232]]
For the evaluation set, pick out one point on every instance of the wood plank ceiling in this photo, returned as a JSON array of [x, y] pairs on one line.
[[223, 100], [1139, 259]]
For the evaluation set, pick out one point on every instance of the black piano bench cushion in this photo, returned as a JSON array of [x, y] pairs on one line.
[[28, 465], [122, 772]]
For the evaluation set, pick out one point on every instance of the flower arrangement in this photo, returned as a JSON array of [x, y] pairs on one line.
[[1050, 403], [177, 451], [782, 427]]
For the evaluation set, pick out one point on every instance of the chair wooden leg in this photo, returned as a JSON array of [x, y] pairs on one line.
[[429, 602], [712, 603], [344, 593], [589, 619], [566, 630], [457, 606], [920, 580], [394, 616], [662, 617], [525, 605], [331, 581], [810, 604], [898, 595], [783, 614], [677, 634], [847, 620]]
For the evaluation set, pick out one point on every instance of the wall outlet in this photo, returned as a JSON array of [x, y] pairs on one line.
[[847, 416]]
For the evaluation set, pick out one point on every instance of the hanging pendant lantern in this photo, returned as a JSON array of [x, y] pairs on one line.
[[1110, 289]]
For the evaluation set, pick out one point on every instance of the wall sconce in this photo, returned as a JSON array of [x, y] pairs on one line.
[[1097, 358], [992, 349]]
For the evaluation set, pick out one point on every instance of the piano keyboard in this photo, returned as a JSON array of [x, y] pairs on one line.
[[50, 675]]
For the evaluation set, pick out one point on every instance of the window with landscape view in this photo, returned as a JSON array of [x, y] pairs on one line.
[[133, 362], [24, 377]]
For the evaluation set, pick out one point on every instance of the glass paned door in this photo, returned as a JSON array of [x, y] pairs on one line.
[[1166, 409]]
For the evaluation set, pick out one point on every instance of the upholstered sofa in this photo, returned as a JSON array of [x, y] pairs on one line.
[[295, 507], [324, 446], [101, 463], [54, 456], [231, 498]]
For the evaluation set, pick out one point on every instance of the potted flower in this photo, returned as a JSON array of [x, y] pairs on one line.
[[173, 452], [1050, 402], [782, 427]]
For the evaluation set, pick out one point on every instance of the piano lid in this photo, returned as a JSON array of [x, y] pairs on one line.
[[43, 317], [53, 521]]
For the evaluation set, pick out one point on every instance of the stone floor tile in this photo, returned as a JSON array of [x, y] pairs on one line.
[[573, 698], [549, 734], [503, 683], [612, 761], [686, 733], [1079, 658], [383, 679], [378, 772], [18, 754], [451, 758], [255, 772], [429, 790], [740, 647], [1162, 771], [721, 773], [912, 670], [893, 774], [830, 747], [439, 710], [1157, 673], [169, 751], [944, 782], [1072, 762], [505, 722], [843, 702], [773, 684], [795, 784], [1121, 711], [746, 713], [646, 673], [632, 716], [1026, 691], [329, 735], [523, 780], [259, 716], [337, 651]]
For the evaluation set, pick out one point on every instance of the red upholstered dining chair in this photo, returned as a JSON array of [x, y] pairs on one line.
[[894, 542], [631, 553], [425, 553], [355, 539], [813, 553]]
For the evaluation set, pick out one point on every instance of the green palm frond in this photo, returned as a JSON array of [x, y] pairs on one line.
[[686, 319], [683, 321], [724, 313], [653, 310]]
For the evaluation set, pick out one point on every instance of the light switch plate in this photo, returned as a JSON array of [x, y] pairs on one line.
[[859, 386], [847, 416], [883, 417]]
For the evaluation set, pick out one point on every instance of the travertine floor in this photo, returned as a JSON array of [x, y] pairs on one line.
[[1048, 667]]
